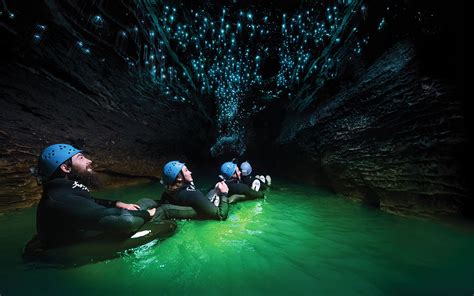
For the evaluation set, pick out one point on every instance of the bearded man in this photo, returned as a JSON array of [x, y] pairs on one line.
[[67, 212]]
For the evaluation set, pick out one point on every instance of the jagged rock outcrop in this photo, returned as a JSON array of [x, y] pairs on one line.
[[393, 139], [52, 92], [386, 128]]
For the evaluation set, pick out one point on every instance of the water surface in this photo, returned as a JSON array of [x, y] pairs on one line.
[[298, 240]]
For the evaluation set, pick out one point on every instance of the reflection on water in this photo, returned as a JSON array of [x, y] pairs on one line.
[[298, 240]]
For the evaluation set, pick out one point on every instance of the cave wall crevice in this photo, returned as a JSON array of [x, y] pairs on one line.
[[395, 139]]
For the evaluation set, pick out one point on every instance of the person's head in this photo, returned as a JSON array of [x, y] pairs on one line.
[[230, 170], [175, 174], [246, 168], [65, 161]]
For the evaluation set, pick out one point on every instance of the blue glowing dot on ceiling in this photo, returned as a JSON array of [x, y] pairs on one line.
[[193, 54], [381, 24], [97, 20]]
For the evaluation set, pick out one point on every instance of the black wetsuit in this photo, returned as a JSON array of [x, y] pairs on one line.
[[249, 180], [189, 196], [239, 191], [68, 213]]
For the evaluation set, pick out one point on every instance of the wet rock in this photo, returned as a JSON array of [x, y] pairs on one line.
[[53, 93], [388, 132], [394, 140]]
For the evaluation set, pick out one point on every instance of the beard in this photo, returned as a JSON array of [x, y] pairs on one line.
[[87, 177]]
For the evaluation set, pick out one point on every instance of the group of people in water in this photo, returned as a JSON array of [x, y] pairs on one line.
[[68, 213]]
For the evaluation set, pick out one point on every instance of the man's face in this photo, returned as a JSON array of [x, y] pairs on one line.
[[81, 164], [82, 171], [187, 174]]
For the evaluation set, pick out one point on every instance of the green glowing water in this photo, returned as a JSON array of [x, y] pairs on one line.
[[299, 240]]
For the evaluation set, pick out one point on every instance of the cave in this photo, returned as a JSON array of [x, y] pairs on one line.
[[364, 99]]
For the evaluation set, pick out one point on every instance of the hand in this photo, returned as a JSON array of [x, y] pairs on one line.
[[222, 187], [126, 206], [152, 212]]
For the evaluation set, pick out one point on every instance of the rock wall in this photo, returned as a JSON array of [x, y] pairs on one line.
[[51, 92], [389, 130], [393, 139]]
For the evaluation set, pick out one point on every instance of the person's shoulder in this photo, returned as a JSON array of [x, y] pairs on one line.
[[61, 187], [56, 190], [171, 194], [57, 183]]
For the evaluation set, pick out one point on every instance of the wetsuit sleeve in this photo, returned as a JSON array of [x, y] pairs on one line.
[[86, 214], [105, 202]]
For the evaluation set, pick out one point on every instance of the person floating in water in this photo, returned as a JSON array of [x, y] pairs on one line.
[[180, 191], [258, 183], [238, 191], [68, 213]]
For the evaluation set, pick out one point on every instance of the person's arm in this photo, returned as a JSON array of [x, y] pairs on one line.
[[88, 215], [108, 203], [116, 204], [126, 206]]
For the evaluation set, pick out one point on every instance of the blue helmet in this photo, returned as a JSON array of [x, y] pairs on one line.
[[246, 168], [171, 170], [53, 156], [228, 169]]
